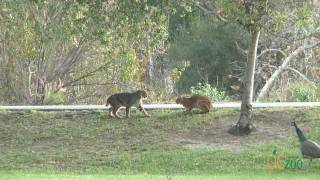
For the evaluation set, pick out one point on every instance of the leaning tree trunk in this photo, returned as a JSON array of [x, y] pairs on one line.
[[264, 91], [244, 125]]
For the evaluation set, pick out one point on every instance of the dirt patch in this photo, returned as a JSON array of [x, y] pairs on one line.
[[270, 127]]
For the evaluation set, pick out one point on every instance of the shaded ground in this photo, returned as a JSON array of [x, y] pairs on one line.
[[270, 127]]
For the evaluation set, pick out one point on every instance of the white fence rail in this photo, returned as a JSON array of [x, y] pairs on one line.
[[161, 106]]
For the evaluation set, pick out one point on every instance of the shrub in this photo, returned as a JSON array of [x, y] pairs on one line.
[[304, 92], [207, 90], [54, 98]]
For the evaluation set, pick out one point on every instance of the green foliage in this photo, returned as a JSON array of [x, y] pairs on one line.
[[77, 43], [207, 90], [209, 47], [278, 21], [129, 66], [304, 16], [95, 45], [246, 13], [304, 92], [3, 111], [55, 98]]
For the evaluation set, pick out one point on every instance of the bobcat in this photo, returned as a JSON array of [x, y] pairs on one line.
[[127, 100], [195, 101]]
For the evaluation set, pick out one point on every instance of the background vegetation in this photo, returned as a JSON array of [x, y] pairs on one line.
[[80, 52]]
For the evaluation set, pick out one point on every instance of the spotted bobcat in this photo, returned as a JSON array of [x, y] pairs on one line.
[[127, 100]]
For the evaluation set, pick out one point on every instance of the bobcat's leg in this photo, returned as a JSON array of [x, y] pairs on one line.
[[128, 111], [115, 111], [205, 109], [188, 110], [110, 111], [142, 109]]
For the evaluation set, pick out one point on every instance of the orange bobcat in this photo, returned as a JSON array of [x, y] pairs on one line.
[[195, 101]]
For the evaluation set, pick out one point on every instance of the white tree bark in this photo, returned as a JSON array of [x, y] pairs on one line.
[[251, 63], [244, 125]]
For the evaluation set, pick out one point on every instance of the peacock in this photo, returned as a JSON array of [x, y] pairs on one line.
[[309, 149]]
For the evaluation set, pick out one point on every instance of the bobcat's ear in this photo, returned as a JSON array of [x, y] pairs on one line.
[[143, 93]]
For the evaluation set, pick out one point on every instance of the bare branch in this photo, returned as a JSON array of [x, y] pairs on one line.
[[300, 74], [67, 62], [312, 45], [242, 51], [269, 50], [208, 11], [91, 84], [83, 77]]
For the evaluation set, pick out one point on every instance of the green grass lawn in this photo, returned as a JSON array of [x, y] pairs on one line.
[[236, 175], [87, 145]]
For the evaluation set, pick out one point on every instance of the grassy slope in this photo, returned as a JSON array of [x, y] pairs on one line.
[[32, 143]]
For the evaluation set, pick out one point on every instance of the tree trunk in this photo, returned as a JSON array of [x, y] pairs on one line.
[[150, 65], [244, 125], [150, 62]]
